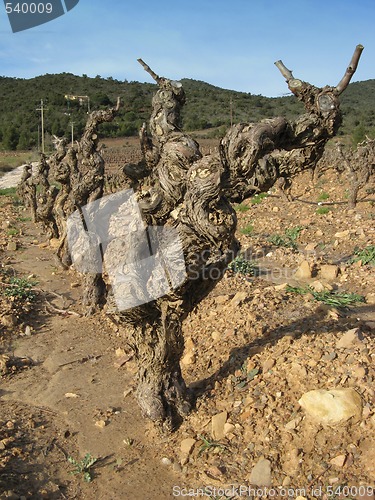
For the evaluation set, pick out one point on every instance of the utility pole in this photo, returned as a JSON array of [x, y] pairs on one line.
[[42, 109], [231, 111], [72, 128]]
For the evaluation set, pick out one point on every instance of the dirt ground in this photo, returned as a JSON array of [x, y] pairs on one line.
[[253, 348]]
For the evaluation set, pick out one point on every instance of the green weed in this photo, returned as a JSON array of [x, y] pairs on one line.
[[19, 288], [323, 196], [84, 466], [328, 297], [366, 256], [257, 198], [288, 240], [209, 445], [8, 191], [12, 231], [242, 266], [322, 210], [247, 230], [241, 207]]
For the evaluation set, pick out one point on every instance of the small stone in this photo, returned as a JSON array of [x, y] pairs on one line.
[[332, 407], [268, 365], [359, 371], [221, 299], [119, 352], [287, 480], [217, 425], [216, 336], [318, 286], [28, 331], [350, 339], [282, 286], [177, 467], [101, 424], [54, 243], [228, 428], [8, 320], [310, 247], [189, 356], [75, 285], [166, 461], [275, 209], [188, 359], [319, 233], [338, 461], [12, 246], [291, 462], [187, 445], [370, 298], [71, 395], [293, 424], [333, 480], [329, 356], [127, 392], [329, 272], [304, 271], [342, 234], [261, 473], [239, 298]]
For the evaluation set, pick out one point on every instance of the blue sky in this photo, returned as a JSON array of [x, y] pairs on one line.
[[231, 44]]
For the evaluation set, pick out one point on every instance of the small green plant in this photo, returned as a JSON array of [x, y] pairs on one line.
[[12, 231], [257, 198], [8, 191], [328, 297], [247, 230], [209, 445], [293, 233], [322, 210], [323, 196], [19, 288], [84, 466], [366, 255], [241, 265], [241, 207], [289, 240]]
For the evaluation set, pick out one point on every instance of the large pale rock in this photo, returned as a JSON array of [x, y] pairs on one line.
[[217, 425], [350, 339], [261, 473], [332, 407], [304, 271], [187, 445], [329, 272]]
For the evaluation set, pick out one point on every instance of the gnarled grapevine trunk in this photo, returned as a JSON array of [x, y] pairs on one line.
[[189, 193], [166, 245]]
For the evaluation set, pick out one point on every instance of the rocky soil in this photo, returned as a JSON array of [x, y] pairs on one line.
[[281, 355]]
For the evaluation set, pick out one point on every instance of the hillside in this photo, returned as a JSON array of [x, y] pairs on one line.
[[208, 107]]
